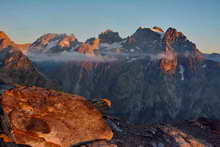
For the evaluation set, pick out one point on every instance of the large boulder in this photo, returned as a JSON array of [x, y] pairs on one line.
[[40, 117]]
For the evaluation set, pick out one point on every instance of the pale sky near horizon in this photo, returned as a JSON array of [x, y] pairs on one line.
[[26, 20]]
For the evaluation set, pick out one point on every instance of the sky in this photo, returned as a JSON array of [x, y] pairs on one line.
[[26, 20]]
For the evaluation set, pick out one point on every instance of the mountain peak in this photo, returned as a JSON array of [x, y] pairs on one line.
[[108, 31], [150, 31], [157, 29], [178, 41], [5, 41], [53, 42], [109, 36], [3, 35], [172, 32]]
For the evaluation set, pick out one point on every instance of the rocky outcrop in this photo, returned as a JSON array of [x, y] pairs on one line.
[[179, 134], [89, 47], [168, 60], [15, 67], [5, 42], [54, 43], [40, 117], [110, 37], [145, 40]]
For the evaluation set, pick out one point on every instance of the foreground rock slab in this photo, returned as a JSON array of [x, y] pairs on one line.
[[40, 117]]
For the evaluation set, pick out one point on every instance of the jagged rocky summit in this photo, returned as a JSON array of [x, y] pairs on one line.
[[15, 67]]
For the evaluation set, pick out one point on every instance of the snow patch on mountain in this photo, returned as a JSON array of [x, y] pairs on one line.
[[74, 47], [181, 71], [159, 32], [132, 50], [51, 45], [64, 43], [111, 46], [131, 60]]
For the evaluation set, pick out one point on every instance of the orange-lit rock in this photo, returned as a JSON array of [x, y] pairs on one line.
[[40, 117], [168, 61], [6, 42], [183, 139], [88, 48], [66, 41], [5, 138], [102, 104]]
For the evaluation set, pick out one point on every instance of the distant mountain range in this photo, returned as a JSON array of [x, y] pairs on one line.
[[150, 76]]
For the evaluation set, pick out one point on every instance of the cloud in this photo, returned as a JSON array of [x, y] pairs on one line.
[[68, 56], [105, 57]]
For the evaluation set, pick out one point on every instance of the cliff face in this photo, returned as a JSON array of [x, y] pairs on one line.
[[196, 133], [15, 67], [40, 117], [169, 60], [5, 42], [141, 91], [89, 47]]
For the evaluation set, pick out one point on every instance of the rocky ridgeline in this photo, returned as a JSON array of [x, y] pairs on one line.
[[53, 43], [6, 42], [15, 67]]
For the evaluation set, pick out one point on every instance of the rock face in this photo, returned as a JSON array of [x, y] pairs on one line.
[[6, 42], [54, 43], [194, 133], [145, 40], [15, 67], [39, 117], [109, 37], [169, 60], [89, 47]]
